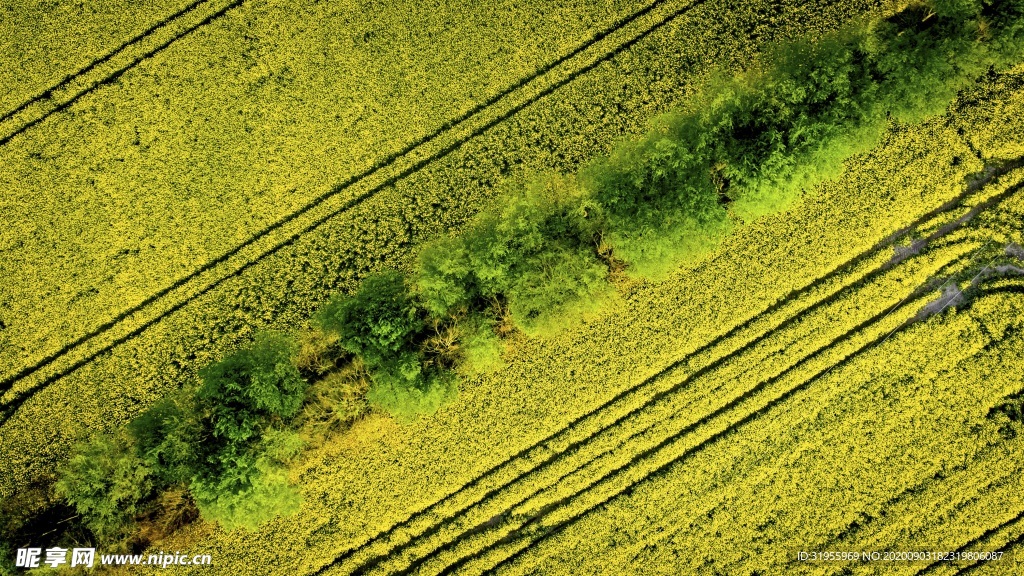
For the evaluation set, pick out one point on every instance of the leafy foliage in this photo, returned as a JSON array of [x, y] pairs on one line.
[[245, 399], [481, 348], [107, 483], [379, 320], [252, 485], [383, 323], [165, 436], [537, 253], [404, 389], [662, 203]]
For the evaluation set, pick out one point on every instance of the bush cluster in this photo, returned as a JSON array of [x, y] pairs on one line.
[[752, 145], [227, 443], [383, 324], [536, 257]]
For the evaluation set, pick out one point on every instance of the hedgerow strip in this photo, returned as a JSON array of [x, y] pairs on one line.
[[282, 290]]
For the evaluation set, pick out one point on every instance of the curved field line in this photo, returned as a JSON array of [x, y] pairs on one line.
[[120, 71], [523, 532], [46, 94], [685, 431], [8, 382], [988, 533], [622, 396], [1017, 289]]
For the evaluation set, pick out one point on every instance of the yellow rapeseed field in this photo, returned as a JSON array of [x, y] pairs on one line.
[[121, 290], [738, 383], [38, 51], [827, 378]]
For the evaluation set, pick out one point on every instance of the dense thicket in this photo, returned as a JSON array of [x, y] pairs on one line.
[[536, 257], [227, 443], [244, 403], [751, 145], [384, 324], [108, 484]]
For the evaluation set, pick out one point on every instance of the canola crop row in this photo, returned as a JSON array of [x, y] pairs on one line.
[[421, 458], [708, 395], [992, 115], [280, 290], [863, 433], [42, 43], [950, 495], [658, 429]]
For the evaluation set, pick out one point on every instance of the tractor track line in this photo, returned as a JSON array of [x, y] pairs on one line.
[[703, 421], [1005, 548], [8, 382], [1006, 290], [924, 485], [113, 77], [69, 78], [908, 492], [655, 399], [988, 533], [545, 532], [557, 528], [929, 483], [974, 186]]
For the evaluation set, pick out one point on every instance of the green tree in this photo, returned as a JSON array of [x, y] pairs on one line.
[[165, 436], [108, 484], [537, 252], [245, 399], [379, 320]]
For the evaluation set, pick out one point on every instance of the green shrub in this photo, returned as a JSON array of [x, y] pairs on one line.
[[107, 482], [1003, 22], [379, 320], [445, 278], [786, 129], [255, 487], [925, 54], [165, 437], [554, 273], [251, 386], [243, 399], [404, 389], [537, 253], [661, 200], [480, 346]]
